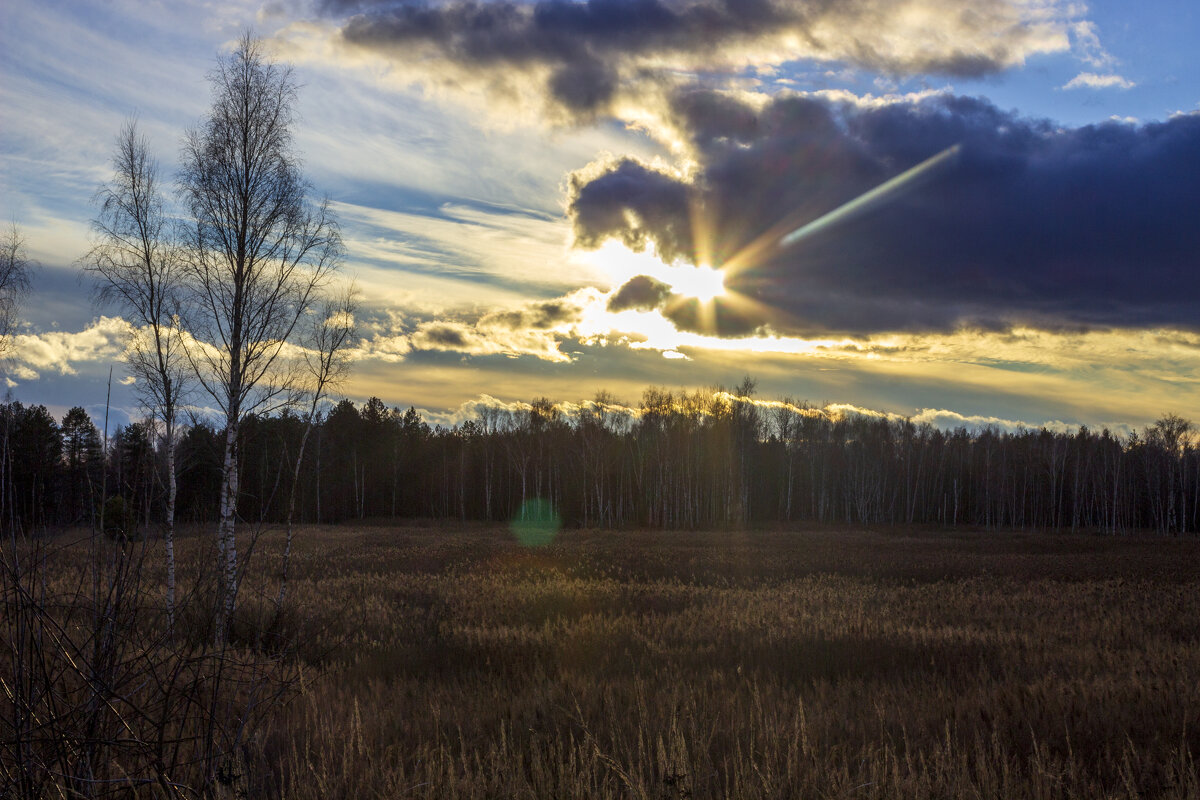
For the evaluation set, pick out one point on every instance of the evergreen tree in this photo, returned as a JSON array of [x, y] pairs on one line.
[[83, 462]]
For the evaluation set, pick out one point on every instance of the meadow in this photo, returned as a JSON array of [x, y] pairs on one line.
[[814, 663], [453, 662]]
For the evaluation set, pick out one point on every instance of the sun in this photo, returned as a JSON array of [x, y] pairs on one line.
[[700, 282], [618, 264]]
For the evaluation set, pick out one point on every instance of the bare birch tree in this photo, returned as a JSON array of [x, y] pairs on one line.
[[326, 362], [259, 253], [15, 267], [138, 267]]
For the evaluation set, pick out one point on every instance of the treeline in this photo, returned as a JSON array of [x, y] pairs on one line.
[[677, 460]]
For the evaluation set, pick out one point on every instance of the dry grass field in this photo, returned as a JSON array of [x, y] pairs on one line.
[[452, 662]]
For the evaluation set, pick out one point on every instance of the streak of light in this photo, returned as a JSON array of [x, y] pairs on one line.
[[867, 199]]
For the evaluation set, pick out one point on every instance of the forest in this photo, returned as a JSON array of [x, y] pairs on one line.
[[677, 460]]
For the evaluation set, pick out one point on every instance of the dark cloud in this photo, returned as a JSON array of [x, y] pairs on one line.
[[687, 313], [1031, 223], [535, 330], [587, 48], [584, 85], [443, 336], [537, 316], [641, 292], [719, 315], [631, 201]]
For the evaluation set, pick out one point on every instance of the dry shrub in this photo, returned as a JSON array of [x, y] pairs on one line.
[[104, 700]]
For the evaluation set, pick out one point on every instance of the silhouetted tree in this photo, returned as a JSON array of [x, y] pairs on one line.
[[199, 463], [132, 465], [15, 267], [326, 362], [696, 459], [36, 466], [83, 463], [258, 253]]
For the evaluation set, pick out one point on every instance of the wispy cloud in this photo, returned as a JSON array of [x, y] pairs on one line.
[[508, 247], [1085, 37], [1091, 80]]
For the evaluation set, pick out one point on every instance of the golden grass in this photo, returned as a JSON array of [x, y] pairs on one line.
[[453, 663]]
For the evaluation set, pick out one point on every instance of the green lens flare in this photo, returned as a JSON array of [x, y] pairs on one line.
[[536, 524]]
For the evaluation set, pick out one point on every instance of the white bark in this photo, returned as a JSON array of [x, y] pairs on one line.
[[169, 534], [226, 533]]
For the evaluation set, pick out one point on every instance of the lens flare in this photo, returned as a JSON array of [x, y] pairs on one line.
[[867, 199], [537, 523]]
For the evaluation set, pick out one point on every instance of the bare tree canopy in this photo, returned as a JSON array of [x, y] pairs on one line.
[[259, 251], [138, 267], [15, 266]]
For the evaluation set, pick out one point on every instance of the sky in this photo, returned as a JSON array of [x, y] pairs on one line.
[[964, 212]]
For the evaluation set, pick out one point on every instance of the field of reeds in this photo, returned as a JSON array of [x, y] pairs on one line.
[[453, 662], [830, 663]]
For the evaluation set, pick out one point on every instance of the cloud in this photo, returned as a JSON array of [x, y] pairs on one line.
[[1020, 222], [484, 409], [584, 58], [24, 373], [942, 418], [950, 420], [640, 292], [1087, 46], [492, 413], [473, 340], [61, 351], [1090, 80], [633, 201], [389, 349], [545, 315], [534, 329]]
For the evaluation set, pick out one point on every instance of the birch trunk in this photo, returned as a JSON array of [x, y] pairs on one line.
[[226, 539], [291, 513], [170, 526]]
